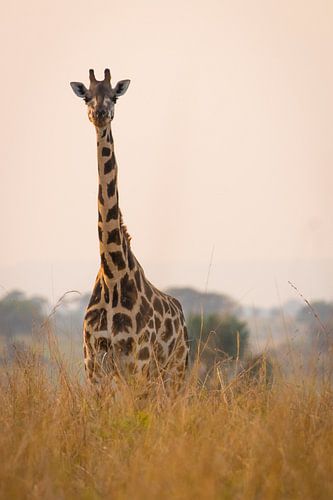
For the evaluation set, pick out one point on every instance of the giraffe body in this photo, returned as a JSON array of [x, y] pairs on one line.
[[130, 327]]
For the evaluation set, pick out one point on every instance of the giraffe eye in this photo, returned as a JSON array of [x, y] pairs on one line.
[[87, 99]]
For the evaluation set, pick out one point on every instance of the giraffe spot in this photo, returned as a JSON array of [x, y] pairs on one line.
[[176, 324], [84, 351], [145, 308], [100, 234], [121, 323], [97, 319], [148, 290], [151, 323], [144, 315], [140, 322], [125, 346], [157, 323], [137, 277], [100, 195], [104, 133], [115, 297], [144, 337], [131, 261], [153, 337], [109, 138], [171, 346], [166, 306], [157, 305], [112, 213], [177, 304], [124, 246], [144, 354], [129, 294], [105, 267], [114, 236], [159, 353], [99, 217], [96, 295], [111, 188], [173, 309], [106, 151], [102, 344], [106, 292], [117, 259], [168, 331], [109, 164]]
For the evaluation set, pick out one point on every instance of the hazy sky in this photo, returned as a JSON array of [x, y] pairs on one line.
[[223, 141]]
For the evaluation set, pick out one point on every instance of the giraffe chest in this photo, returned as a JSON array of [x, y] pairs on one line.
[[131, 321], [119, 307]]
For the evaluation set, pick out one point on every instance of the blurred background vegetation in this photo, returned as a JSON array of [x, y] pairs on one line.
[[220, 329]]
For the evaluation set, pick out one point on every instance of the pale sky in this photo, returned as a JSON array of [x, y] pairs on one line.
[[223, 141]]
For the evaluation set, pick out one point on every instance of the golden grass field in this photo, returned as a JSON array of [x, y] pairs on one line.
[[235, 440]]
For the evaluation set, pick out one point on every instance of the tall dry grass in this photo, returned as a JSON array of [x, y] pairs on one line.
[[232, 440]]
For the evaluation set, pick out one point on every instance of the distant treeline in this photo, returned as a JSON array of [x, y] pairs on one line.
[[216, 326]]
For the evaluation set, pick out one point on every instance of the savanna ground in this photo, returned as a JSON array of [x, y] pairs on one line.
[[230, 438]]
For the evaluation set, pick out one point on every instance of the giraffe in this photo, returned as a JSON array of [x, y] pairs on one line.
[[130, 327]]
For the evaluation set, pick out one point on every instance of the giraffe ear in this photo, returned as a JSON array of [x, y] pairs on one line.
[[79, 89], [121, 87]]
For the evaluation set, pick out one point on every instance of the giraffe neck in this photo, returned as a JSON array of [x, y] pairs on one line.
[[113, 239]]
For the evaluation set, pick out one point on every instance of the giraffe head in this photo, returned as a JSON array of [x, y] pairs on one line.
[[100, 98]]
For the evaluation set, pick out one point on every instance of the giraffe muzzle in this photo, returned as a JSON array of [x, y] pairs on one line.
[[100, 117], [100, 114]]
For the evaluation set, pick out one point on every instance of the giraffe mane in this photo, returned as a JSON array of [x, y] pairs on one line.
[[125, 230]]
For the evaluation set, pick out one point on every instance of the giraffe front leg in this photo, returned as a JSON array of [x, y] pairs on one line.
[[98, 354], [89, 356], [97, 344]]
